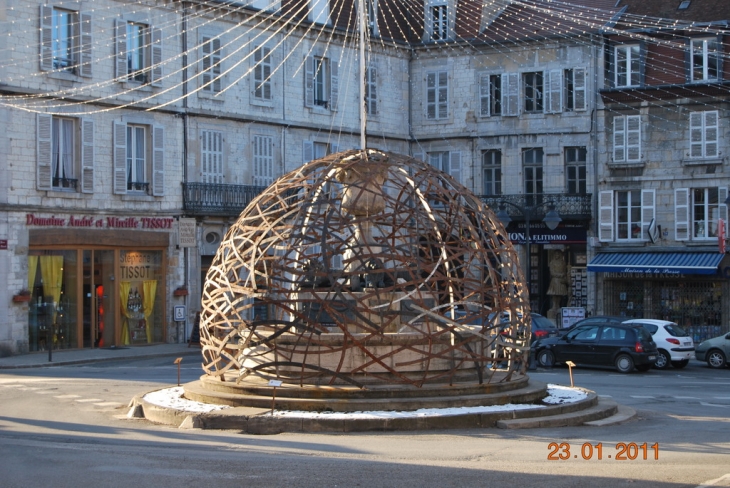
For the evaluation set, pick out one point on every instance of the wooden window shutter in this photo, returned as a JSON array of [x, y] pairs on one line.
[[85, 57], [46, 41], [309, 82], [580, 98], [44, 151], [554, 89], [681, 214], [87, 156], [120, 61], [334, 85], [156, 58], [158, 161], [605, 216], [484, 96], [120, 158], [455, 165]]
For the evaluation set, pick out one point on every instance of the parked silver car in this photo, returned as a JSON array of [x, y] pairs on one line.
[[715, 351]]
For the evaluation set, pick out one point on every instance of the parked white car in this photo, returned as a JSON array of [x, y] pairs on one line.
[[674, 344]]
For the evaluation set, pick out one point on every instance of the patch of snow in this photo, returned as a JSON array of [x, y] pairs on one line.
[[563, 394], [172, 398], [557, 394]]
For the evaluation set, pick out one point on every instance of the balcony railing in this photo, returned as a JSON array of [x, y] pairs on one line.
[[569, 207], [217, 198]]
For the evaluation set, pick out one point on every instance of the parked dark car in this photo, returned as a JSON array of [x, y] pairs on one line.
[[596, 319], [624, 347], [542, 328]]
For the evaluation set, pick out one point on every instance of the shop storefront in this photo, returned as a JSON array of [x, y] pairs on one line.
[[690, 289], [96, 287]]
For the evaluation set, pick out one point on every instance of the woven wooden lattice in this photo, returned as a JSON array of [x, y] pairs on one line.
[[365, 267]]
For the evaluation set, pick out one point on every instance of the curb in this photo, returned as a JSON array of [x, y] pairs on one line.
[[97, 360]]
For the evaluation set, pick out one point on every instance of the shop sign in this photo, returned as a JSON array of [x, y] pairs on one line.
[[147, 223], [3, 243], [540, 234], [186, 233], [630, 274]]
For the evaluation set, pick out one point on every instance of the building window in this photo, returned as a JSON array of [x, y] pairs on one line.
[[211, 156], [627, 138], [627, 65], [625, 214], [371, 90], [532, 161], [490, 95], [705, 59], [705, 212], [533, 91], [320, 13], [139, 52], [575, 89], [211, 64], [139, 159], [263, 160], [628, 214], [575, 170], [321, 83], [447, 161], [372, 19], [437, 95], [65, 41], [64, 148], [262, 73], [492, 171], [703, 134], [439, 22], [65, 154]]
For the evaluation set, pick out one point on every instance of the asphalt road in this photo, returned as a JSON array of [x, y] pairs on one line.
[[67, 426]]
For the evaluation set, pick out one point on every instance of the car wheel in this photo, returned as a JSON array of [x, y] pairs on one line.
[[662, 360], [716, 359], [624, 363], [680, 364], [546, 358], [644, 367]]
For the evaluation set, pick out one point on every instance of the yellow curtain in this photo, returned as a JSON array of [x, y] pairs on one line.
[[52, 274], [150, 289], [32, 268], [124, 287]]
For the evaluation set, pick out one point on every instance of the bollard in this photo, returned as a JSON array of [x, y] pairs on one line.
[[178, 361], [570, 370]]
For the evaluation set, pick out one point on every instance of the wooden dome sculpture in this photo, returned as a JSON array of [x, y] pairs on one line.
[[365, 268]]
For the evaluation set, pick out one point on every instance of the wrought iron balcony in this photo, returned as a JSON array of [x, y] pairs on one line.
[[569, 207], [217, 198]]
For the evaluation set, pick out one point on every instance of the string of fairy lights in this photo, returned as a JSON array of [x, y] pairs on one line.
[[243, 27]]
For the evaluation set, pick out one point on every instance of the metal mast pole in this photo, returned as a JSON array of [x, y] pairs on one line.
[[363, 109]]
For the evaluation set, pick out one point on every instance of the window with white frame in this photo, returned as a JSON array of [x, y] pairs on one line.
[[625, 214], [372, 20], [697, 210], [65, 154], [533, 91], [371, 90], [263, 160], [211, 156], [439, 22], [575, 170], [321, 83], [211, 63], [532, 167], [138, 52], [139, 159], [66, 40], [316, 150], [492, 172], [627, 65], [437, 95], [705, 59], [575, 89], [627, 138], [262, 73], [703, 134], [490, 95]]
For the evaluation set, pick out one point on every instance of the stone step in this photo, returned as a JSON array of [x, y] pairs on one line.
[[259, 387], [529, 393], [623, 414], [604, 408]]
